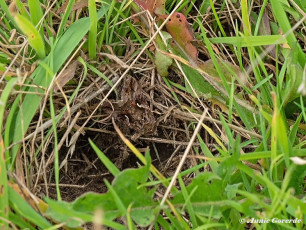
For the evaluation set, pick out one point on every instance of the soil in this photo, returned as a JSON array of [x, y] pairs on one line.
[[143, 113]]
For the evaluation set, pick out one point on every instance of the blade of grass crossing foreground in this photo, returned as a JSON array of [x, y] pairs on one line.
[[250, 41], [63, 48], [116, 197], [213, 164], [217, 18], [92, 36], [188, 204]]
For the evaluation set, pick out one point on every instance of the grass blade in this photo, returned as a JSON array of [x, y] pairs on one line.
[[34, 38], [35, 12], [104, 159], [92, 36], [65, 18]]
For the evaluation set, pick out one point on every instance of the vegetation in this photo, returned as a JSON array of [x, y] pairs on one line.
[[152, 114]]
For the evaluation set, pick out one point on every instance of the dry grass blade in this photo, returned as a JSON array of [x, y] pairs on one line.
[[179, 167]]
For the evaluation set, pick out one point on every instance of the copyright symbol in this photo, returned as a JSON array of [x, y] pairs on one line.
[[241, 220]]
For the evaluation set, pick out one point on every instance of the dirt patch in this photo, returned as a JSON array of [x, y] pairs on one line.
[[144, 112]]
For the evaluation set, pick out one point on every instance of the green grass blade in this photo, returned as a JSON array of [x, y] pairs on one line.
[[188, 203], [34, 38], [65, 18], [104, 159], [92, 36], [250, 41], [116, 198], [35, 11], [22, 10], [56, 155]]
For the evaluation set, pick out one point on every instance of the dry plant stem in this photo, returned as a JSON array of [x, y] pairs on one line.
[[45, 101], [51, 158], [131, 65], [13, 61], [194, 116], [298, 8], [74, 108], [179, 167]]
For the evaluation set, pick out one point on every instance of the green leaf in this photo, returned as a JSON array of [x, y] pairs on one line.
[[35, 11], [162, 63], [231, 190], [126, 186], [206, 187], [200, 85], [63, 212], [34, 38], [302, 4]]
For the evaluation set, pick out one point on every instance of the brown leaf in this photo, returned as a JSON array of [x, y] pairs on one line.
[[153, 6], [264, 29], [65, 76], [159, 7], [146, 5], [182, 33], [78, 5]]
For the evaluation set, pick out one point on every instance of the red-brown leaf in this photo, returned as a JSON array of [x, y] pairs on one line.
[[153, 6], [181, 32], [159, 7], [146, 5]]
